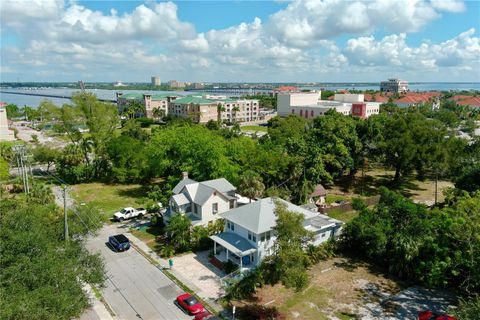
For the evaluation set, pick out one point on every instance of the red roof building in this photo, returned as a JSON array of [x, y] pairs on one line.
[[463, 100]]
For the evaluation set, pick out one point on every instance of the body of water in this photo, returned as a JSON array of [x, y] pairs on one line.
[[34, 101]]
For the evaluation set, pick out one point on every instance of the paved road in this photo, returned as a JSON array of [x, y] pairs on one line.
[[148, 291]]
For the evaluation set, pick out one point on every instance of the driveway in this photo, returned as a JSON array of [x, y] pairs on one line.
[[198, 270], [135, 289]]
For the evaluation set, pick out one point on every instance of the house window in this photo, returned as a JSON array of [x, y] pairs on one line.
[[254, 238], [194, 208], [232, 226], [249, 236], [215, 208], [262, 237], [268, 235], [323, 235], [232, 204]]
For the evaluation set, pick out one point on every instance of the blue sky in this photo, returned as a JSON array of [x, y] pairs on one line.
[[240, 41]]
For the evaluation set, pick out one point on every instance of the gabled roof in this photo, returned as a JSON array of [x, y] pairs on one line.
[[180, 199], [182, 184], [200, 192], [221, 185], [260, 216]]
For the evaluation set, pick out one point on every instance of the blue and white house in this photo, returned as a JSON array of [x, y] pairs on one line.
[[249, 234]]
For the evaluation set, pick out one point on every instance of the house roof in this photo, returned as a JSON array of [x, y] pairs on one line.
[[221, 185], [193, 100], [182, 184], [319, 191], [234, 243], [180, 199], [260, 216], [200, 192], [464, 100]]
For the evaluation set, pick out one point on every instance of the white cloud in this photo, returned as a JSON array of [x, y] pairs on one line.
[[297, 43], [393, 51]]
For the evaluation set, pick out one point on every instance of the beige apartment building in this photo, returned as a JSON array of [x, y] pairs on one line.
[[156, 105], [242, 110], [200, 110]]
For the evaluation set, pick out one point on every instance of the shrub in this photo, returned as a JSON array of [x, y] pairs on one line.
[[229, 267], [156, 221], [256, 311], [145, 122], [467, 309], [358, 204]]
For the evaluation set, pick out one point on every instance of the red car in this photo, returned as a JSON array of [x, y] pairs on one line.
[[190, 303], [429, 315], [205, 316]]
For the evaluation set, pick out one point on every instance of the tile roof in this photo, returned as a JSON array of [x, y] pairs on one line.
[[194, 100], [464, 100]]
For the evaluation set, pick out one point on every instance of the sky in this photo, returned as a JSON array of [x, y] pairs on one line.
[[240, 41]]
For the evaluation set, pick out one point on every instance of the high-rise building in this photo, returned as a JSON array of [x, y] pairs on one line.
[[156, 81], [394, 85]]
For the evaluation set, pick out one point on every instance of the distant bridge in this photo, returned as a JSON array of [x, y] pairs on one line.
[[235, 91], [52, 95]]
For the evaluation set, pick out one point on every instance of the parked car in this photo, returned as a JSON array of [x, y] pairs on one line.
[[129, 213], [205, 316], [119, 242], [429, 315], [189, 303]]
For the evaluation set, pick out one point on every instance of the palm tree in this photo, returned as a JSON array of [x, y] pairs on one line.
[[235, 110], [158, 113], [178, 231], [220, 109], [251, 185]]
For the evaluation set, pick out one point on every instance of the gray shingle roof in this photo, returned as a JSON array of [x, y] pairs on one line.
[[221, 185], [182, 184], [260, 216]]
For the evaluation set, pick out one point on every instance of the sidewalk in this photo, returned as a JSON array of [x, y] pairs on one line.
[[163, 264], [97, 311]]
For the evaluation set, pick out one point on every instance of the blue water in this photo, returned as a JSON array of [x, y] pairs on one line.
[[34, 101]]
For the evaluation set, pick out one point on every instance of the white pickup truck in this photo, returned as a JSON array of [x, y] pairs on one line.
[[128, 213]]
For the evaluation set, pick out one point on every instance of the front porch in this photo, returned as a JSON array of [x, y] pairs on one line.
[[228, 246]]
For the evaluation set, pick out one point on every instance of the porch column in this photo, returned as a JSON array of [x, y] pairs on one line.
[[214, 248], [241, 263], [226, 250]]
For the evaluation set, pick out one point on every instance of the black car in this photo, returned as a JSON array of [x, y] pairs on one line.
[[119, 242]]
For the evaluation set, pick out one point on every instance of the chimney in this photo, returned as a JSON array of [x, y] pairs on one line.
[[184, 175]]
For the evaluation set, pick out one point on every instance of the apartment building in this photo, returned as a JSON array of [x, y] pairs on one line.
[[199, 109], [156, 105], [241, 110]]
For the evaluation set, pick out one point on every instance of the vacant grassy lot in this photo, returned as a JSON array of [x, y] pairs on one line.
[[254, 128], [337, 289], [373, 179], [109, 198]]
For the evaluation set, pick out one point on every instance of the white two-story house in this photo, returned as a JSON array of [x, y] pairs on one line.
[[249, 233], [202, 202]]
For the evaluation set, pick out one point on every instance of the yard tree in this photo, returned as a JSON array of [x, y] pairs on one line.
[[127, 158], [4, 174], [178, 232], [42, 276], [45, 154], [290, 259], [250, 185]]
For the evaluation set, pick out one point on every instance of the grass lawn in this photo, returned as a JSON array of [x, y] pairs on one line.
[[343, 216], [254, 128], [109, 198], [422, 191], [338, 287]]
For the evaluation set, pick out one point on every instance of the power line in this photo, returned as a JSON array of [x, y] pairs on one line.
[[90, 232]]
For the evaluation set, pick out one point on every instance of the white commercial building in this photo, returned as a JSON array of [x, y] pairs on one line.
[[5, 133], [394, 85], [308, 105]]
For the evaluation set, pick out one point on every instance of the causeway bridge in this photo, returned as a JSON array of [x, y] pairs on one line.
[[48, 95]]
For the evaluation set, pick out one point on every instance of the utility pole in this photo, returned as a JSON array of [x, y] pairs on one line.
[[65, 223]]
